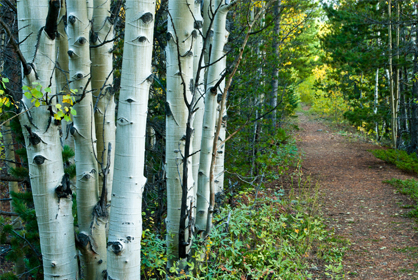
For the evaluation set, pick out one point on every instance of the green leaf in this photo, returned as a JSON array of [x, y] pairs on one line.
[[37, 103], [67, 118], [73, 112], [48, 89], [28, 95], [37, 94]]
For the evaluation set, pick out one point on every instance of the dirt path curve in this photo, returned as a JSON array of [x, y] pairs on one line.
[[384, 243]]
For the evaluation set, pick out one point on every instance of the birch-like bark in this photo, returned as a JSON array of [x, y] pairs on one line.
[[179, 82], [414, 110], [215, 72], [92, 214], [275, 75], [391, 82], [50, 187], [397, 73], [62, 70], [198, 94], [124, 244], [220, 155], [101, 83], [376, 102]]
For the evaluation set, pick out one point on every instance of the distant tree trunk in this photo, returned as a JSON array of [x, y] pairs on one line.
[[9, 151], [393, 98], [125, 233], [220, 156], [413, 147], [92, 214], [276, 50], [50, 187], [376, 102]]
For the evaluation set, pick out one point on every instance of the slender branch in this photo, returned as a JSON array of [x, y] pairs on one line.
[[10, 4], [26, 67], [4, 213], [11, 179], [1, 124]]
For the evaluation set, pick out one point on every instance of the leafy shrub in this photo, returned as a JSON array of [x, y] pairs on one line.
[[399, 158], [274, 238]]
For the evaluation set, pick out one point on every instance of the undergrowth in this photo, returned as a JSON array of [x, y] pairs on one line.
[[407, 187], [399, 158], [271, 237]]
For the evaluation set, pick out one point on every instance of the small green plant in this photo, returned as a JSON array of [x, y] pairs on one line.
[[399, 158], [408, 187]]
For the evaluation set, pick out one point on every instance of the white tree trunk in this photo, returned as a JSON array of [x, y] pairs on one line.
[[215, 72], [275, 75], [92, 214], [220, 155], [376, 100], [101, 83], [179, 81], [62, 70], [50, 188], [124, 244], [198, 98]]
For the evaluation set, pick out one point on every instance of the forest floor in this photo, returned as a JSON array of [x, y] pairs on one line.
[[357, 204]]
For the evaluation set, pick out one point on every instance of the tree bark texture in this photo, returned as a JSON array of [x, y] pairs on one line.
[[213, 83], [50, 187], [179, 51], [101, 83], [92, 217], [124, 243]]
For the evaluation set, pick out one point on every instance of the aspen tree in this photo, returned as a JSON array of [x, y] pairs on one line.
[[124, 243], [198, 94], [179, 51], [50, 187], [91, 210], [213, 81], [101, 83]]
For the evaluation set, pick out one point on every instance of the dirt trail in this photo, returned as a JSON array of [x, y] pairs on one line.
[[384, 243]]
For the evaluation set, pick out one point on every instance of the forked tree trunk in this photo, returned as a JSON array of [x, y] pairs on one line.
[[179, 82], [101, 83], [50, 187], [92, 214], [215, 71], [124, 244]]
